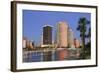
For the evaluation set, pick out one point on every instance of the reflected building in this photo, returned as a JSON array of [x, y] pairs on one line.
[[47, 56], [63, 54]]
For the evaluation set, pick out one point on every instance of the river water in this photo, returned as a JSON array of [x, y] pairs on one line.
[[51, 55]]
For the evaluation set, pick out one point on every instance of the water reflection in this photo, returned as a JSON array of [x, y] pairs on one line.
[[51, 55]]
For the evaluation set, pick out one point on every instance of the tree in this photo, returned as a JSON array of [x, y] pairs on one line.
[[89, 34], [88, 50], [82, 27]]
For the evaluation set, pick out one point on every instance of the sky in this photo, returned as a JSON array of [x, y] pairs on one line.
[[33, 22]]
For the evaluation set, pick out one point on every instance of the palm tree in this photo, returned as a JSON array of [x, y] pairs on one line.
[[89, 43], [82, 28], [89, 34]]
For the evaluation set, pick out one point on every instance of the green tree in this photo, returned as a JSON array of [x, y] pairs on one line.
[[88, 45], [82, 28], [89, 34]]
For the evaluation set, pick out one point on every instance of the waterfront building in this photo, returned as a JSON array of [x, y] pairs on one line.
[[71, 38], [62, 34], [29, 45], [47, 35], [41, 40], [77, 43], [24, 42]]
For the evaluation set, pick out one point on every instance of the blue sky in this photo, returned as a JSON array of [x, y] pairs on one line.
[[33, 22]]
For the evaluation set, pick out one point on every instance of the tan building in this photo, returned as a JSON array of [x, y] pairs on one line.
[[24, 42], [62, 34], [71, 38], [77, 43], [29, 44]]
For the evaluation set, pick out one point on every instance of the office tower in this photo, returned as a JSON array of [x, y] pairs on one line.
[[24, 42], [62, 34], [41, 40], [29, 44], [47, 35], [70, 38], [77, 43]]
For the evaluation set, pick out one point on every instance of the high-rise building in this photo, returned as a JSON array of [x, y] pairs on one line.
[[71, 38], [47, 35], [41, 40], [62, 34], [24, 41], [29, 44]]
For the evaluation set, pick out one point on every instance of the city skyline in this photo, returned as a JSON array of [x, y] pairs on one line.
[[64, 38], [32, 28]]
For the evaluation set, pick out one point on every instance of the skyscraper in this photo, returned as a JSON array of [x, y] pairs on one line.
[[70, 38], [47, 35], [41, 41], [29, 44], [62, 34], [24, 41]]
